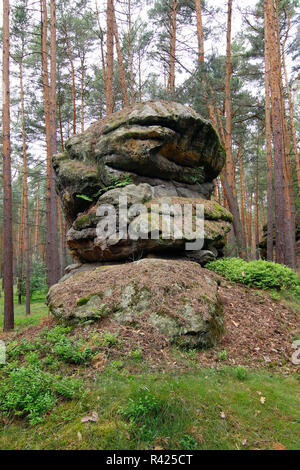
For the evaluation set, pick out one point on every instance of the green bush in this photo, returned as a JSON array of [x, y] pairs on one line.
[[259, 274], [241, 373], [29, 391], [72, 351], [55, 344], [143, 405]]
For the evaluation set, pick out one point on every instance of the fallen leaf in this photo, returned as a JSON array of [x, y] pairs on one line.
[[278, 446], [94, 418], [79, 436]]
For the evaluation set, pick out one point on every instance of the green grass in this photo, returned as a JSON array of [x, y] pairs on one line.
[[39, 310], [203, 408], [171, 411]]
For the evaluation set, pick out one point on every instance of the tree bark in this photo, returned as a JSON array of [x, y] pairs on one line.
[[25, 194], [50, 124], [172, 39], [199, 31], [228, 130], [109, 57], [270, 217], [69, 52], [7, 192], [120, 63], [280, 197], [130, 53]]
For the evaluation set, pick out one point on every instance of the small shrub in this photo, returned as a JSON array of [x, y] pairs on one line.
[[110, 339], [241, 373], [259, 274], [141, 406], [15, 350], [72, 351], [28, 391], [136, 354], [222, 355], [188, 442]]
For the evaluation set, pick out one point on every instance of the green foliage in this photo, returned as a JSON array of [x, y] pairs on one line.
[[14, 349], [115, 183], [188, 442], [56, 344], [259, 274], [241, 373], [72, 351], [38, 279], [197, 175], [29, 391], [222, 355], [83, 196], [143, 406], [83, 301], [136, 354], [110, 339], [68, 349]]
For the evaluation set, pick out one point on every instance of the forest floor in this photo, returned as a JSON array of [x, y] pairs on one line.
[[242, 394]]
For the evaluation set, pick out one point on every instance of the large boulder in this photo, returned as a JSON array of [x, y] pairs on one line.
[[175, 298], [87, 246], [150, 153]]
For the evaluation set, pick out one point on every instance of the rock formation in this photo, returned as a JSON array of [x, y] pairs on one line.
[[153, 153], [175, 298], [152, 156]]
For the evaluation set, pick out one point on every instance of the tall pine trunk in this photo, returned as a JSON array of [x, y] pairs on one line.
[[109, 57], [199, 31], [50, 124], [120, 63], [285, 250], [270, 217], [25, 195], [7, 192]]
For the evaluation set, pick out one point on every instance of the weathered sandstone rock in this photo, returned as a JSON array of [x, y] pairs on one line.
[[177, 298], [150, 153]]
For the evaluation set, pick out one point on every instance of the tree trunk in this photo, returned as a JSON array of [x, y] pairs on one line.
[[234, 209], [37, 216], [82, 77], [270, 217], [130, 53], [101, 43], [199, 31], [120, 63], [50, 124], [280, 202], [285, 246], [7, 193], [172, 39], [228, 131], [25, 194], [109, 57], [69, 52]]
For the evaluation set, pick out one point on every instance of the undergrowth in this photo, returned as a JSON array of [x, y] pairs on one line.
[[258, 274]]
